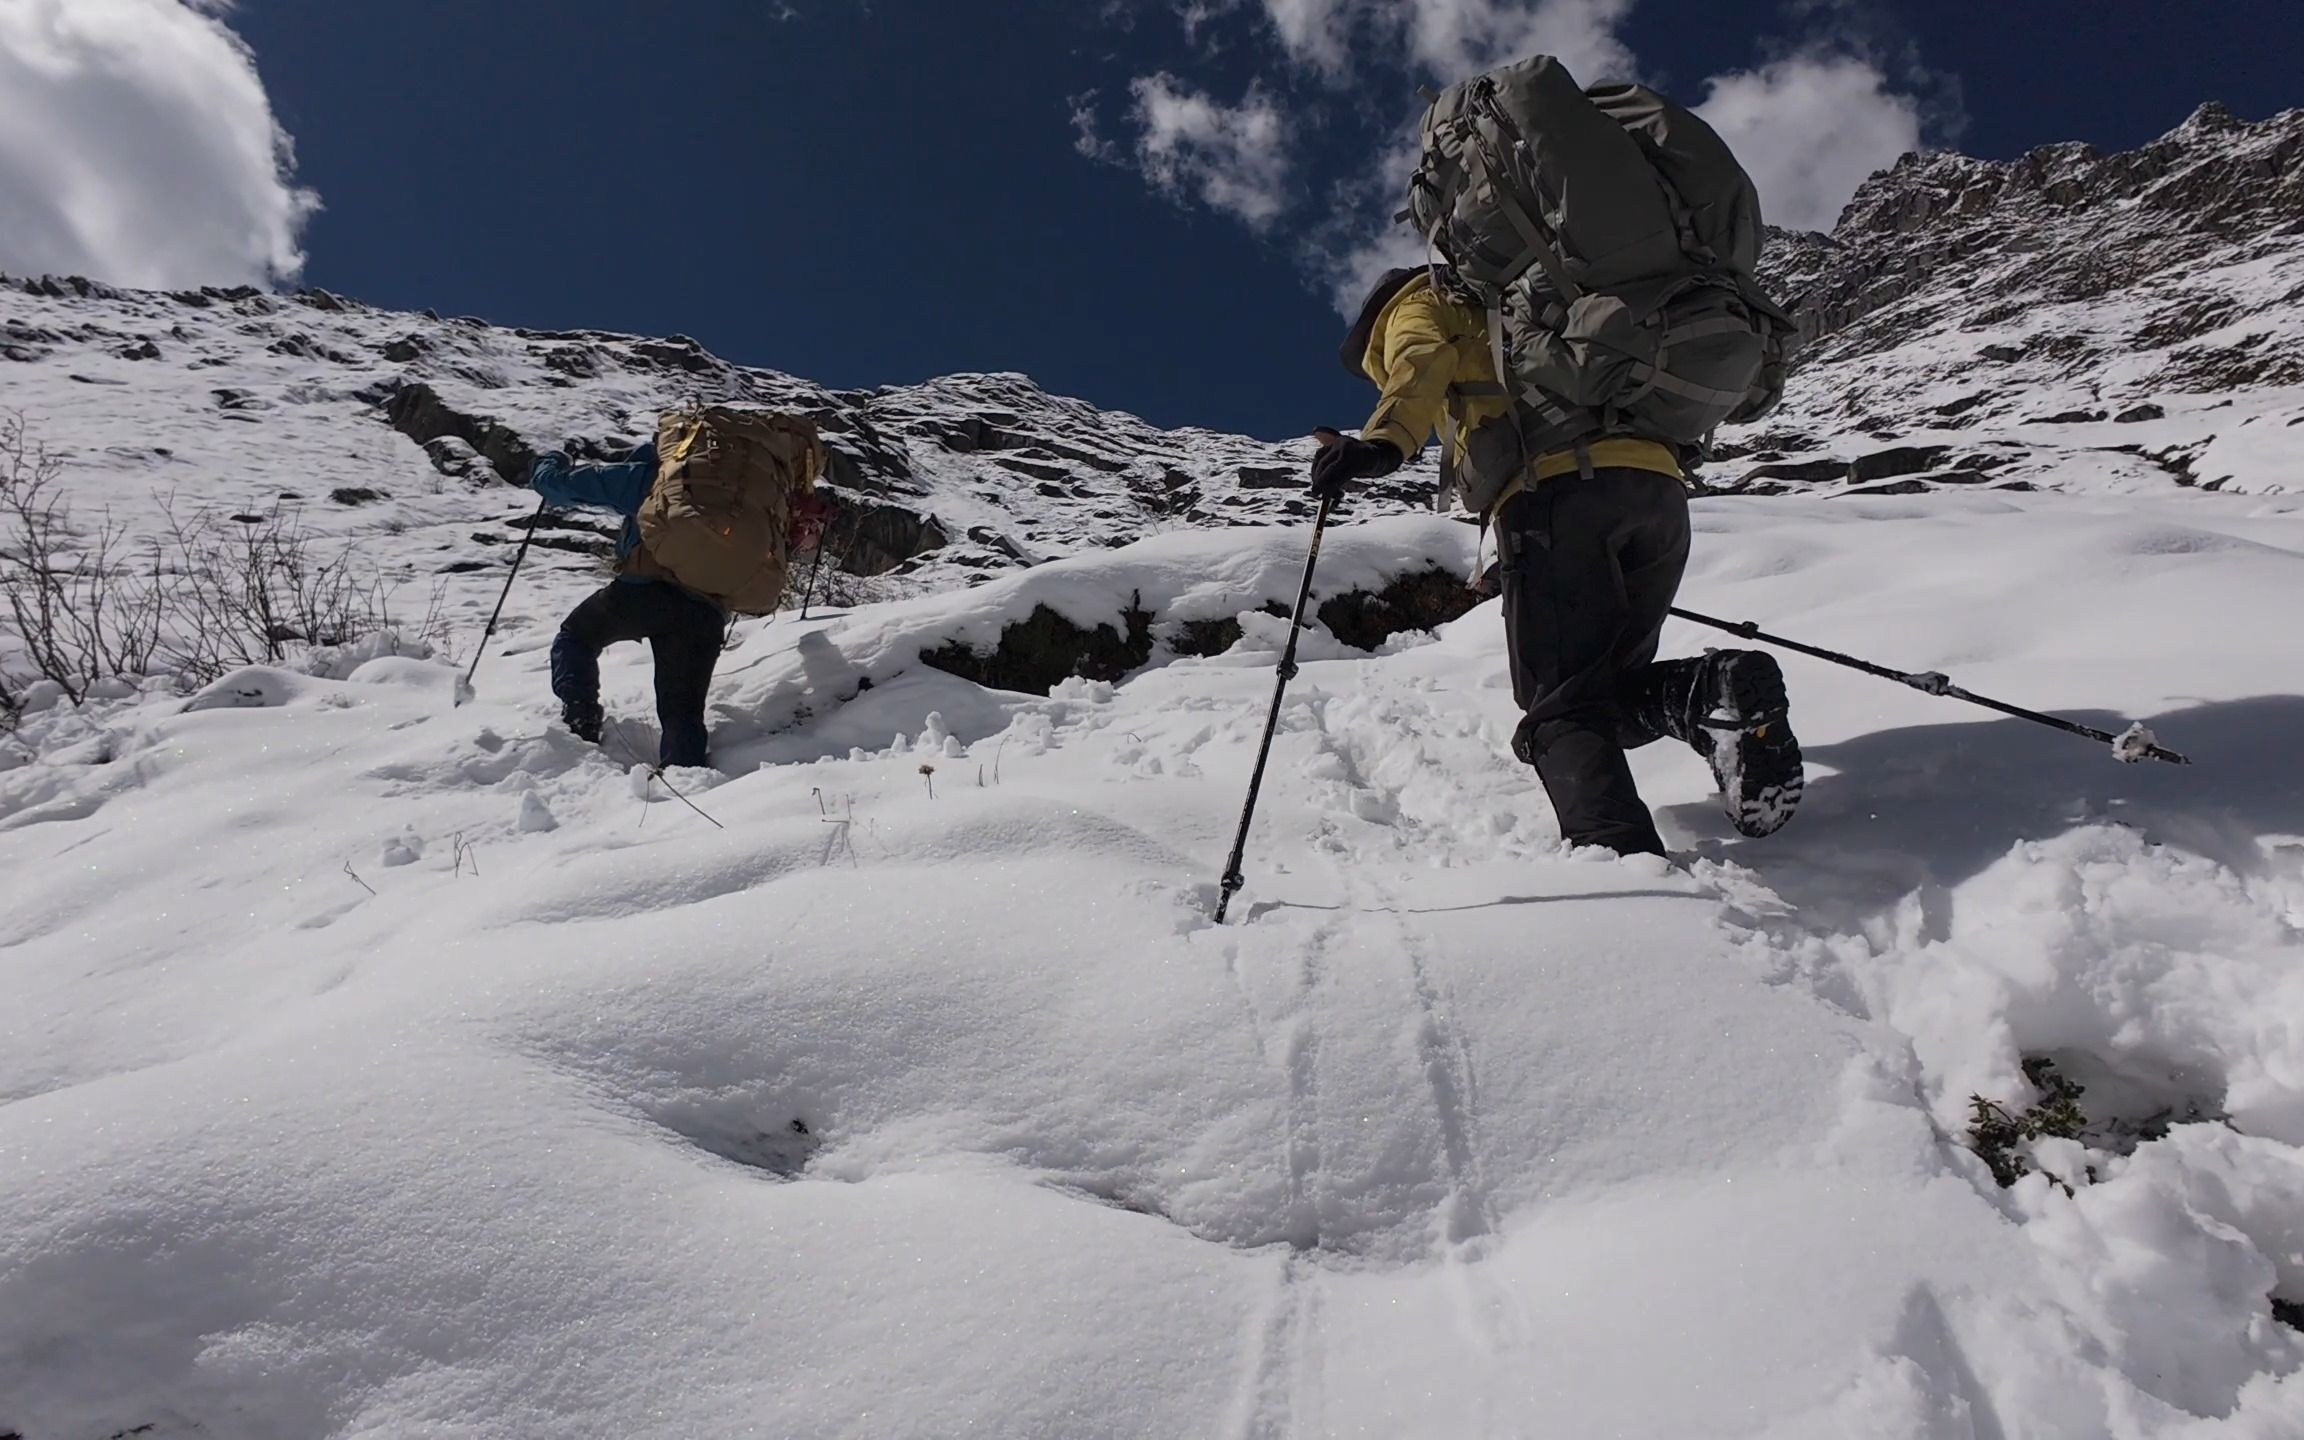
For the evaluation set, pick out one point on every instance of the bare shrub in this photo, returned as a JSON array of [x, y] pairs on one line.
[[209, 592], [74, 600], [253, 590], [434, 628], [829, 585]]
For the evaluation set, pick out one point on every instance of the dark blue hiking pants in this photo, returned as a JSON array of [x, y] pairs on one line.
[[685, 633]]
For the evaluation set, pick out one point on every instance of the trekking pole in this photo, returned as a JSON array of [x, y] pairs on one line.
[[808, 591], [1233, 879], [2136, 745], [490, 633], [823, 543]]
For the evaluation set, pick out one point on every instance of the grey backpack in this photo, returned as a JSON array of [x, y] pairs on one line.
[[1611, 237]]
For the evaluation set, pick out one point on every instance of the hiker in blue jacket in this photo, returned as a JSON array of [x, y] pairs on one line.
[[684, 629]]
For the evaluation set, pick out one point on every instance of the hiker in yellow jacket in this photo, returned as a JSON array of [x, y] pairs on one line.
[[1591, 544]]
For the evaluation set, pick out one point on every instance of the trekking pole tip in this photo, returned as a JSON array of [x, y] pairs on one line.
[[1232, 884], [2139, 743]]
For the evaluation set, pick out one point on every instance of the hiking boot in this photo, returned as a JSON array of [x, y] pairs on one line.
[[584, 721], [1743, 733]]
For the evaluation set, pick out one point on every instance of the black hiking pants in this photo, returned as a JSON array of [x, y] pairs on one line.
[[685, 633], [1590, 566]]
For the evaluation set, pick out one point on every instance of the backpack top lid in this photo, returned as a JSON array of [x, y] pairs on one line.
[[1700, 171], [793, 439], [1523, 169]]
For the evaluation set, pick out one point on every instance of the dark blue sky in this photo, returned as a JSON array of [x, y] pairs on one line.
[[869, 195]]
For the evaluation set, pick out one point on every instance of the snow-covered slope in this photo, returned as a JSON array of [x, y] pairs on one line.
[[243, 398], [378, 1067], [2071, 319]]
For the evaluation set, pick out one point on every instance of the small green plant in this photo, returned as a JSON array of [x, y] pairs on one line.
[[1998, 1134]]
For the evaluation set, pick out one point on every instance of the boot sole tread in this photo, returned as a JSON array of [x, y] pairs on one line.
[[1763, 778]]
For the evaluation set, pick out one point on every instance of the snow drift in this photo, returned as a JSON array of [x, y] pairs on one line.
[[376, 1067]]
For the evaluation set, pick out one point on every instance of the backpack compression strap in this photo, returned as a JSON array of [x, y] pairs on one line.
[[1539, 249], [1659, 377]]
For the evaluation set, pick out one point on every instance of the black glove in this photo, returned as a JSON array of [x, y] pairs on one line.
[[1350, 459]]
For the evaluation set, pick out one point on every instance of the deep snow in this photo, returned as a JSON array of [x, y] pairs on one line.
[[378, 1067]]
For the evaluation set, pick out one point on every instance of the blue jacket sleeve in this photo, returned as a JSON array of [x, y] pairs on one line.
[[620, 486]]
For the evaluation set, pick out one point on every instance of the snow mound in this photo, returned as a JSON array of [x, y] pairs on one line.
[[820, 688], [253, 687]]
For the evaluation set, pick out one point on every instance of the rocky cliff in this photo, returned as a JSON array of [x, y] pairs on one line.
[[2067, 319]]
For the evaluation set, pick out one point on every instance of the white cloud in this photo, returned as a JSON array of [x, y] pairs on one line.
[[1811, 125], [1449, 39], [1087, 133], [1456, 38], [1314, 32], [1196, 15], [1231, 158], [1810, 129], [137, 146], [1236, 158], [1351, 249], [1350, 273]]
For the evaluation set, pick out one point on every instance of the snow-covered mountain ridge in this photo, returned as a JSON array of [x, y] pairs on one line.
[[424, 417], [2069, 320]]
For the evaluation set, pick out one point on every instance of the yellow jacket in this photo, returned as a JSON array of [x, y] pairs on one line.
[[1426, 344]]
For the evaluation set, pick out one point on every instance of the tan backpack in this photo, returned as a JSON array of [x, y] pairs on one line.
[[717, 521]]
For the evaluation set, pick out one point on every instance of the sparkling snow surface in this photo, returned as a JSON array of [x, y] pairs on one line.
[[372, 1066]]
